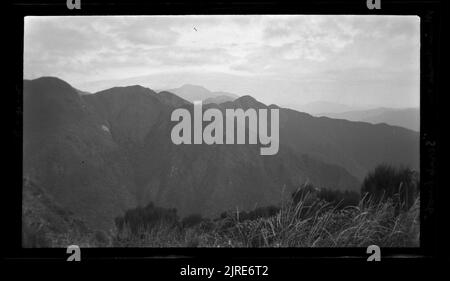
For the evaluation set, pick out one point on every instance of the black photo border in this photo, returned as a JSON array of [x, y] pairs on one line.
[[433, 189]]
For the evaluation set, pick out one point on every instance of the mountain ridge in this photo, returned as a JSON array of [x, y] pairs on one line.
[[112, 150], [193, 93], [403, 117]]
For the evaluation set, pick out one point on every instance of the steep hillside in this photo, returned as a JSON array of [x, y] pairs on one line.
[[45, 223], [204, 178], [100, 154], [356, 146], [68, 151]]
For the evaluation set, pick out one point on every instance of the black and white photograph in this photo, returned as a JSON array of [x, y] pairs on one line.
[[221, 131]]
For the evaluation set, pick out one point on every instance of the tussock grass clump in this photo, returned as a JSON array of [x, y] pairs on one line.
[[309, 222], [160, 235]]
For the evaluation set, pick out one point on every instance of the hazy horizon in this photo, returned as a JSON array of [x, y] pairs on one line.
[[360, 61]]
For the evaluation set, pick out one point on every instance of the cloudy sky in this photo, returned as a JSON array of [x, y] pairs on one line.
[[287, 60]]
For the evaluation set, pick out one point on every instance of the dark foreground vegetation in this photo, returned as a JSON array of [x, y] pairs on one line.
[[386, 213]]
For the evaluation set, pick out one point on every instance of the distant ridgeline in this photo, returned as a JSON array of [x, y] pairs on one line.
[[98, 155], [213, 133]]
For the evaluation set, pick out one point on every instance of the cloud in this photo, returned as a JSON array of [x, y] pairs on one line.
[[323, 56], [145, 32]]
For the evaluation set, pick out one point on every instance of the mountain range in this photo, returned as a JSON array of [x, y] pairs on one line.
[[318, 107], [100, 154], [404, 117], [198, 93]]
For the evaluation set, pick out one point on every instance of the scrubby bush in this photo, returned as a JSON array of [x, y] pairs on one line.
[[101, 238], [401, 184], [260, 212], [307, 191], [308, 194], [312, 217], [191, 220], [339, 198], [147, 218]]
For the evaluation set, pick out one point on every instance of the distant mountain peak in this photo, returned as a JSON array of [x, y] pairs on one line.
[[193, 93], [129, 90], [192, 86], [51, 88], [219, 99], [133, 88], [246, 99], [51, 81], [171, 99]]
